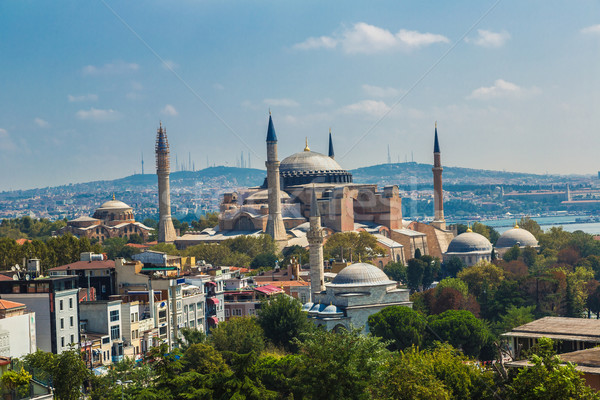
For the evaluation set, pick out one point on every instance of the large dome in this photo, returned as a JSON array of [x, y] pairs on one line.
[[306, 161], [361, 274], [469, 242], [516, 236], [311, 167]]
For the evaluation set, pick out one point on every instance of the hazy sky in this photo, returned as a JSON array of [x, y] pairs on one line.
[[514, 85]]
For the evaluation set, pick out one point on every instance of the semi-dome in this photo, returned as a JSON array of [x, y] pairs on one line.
[[262, 196], [331, 311], [516, 236], [312, 167], [361, 274], [469, 242], [307, 306]]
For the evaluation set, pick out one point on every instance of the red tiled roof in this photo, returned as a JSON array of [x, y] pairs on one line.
[[7, 304], [5, 278], [22, 241], [137, 246], [241, 269], [84, 265], [268, 289]]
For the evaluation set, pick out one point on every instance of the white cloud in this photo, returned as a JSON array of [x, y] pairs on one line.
[[218, 86], [501, 88], [363, 38], [489, 39], [98, 115], [169, 110], [6, 143], [114, 68], [83, 97], [376, 91], [369, 107], [594, 30], [322, 42], [281, 102], [41, 123]]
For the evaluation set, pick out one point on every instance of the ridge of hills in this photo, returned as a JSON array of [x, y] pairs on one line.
[[407, 175]]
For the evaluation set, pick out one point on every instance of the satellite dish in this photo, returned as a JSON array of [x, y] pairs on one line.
[[18, 267], [15, 277], [13, 269], [27, 277]]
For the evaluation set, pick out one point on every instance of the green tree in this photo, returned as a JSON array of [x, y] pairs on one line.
[[461, 329], [481, 278], [438, 373], [251, 245], [414, 273], [454, 283], [264, 260], [16, 380], [67, 371], [239, 335], [203, 359], [530, 257], [208, 220], [400, 326], [453, 266], [114, 246], [512, 254], [530, 225], [168, 248], [515, 316], [343, 365], [432, 266], [190, 337], [356, 246], [548, 379], [396, 271], [283, 320]]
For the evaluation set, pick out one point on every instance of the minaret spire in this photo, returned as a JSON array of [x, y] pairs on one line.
[[331, 153], [438, 194], [275, 226], [166, 230], [315, 236]]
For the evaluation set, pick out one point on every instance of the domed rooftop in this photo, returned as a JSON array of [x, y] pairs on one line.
[[309, 161], [516, 236], [113, 205], [361, 274], [469, 242], [262, 196], [330, 311]]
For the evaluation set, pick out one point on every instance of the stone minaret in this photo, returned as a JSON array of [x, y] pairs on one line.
[[315, 243], [438, 195], [331, 153], [275, 226], [166, 231]]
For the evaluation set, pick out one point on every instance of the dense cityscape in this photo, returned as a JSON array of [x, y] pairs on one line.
[[343, 268]]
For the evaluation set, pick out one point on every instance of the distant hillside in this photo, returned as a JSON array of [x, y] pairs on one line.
[[411, 173]]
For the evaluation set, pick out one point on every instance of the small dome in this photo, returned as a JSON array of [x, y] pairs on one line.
[[516, 236], [307, 306], [361, 274], [468, 242], [330, 311], [316, 308], [113, 205]]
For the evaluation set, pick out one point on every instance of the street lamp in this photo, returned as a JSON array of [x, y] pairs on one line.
[[121, 383]]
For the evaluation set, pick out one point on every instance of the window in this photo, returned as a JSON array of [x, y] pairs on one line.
[[227, 312], [114, 315], [60, 307], [62, 341], [62, 323], [251, 311], [72, 338], [115, 332], [71, 302], [192, 323], [132, 317], [237, 311], [71, 321]]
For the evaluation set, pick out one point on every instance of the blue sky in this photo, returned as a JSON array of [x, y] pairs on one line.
[[513, 85]]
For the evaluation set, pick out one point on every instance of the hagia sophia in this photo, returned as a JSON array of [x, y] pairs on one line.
[[303, 185]]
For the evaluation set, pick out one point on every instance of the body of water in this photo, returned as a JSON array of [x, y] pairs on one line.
[[568, 222]]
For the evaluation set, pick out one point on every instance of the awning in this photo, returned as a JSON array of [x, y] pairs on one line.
[[211, 283], [213, 320], [212, 300]]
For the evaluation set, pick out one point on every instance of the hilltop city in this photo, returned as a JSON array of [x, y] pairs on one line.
[[278, 277]]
